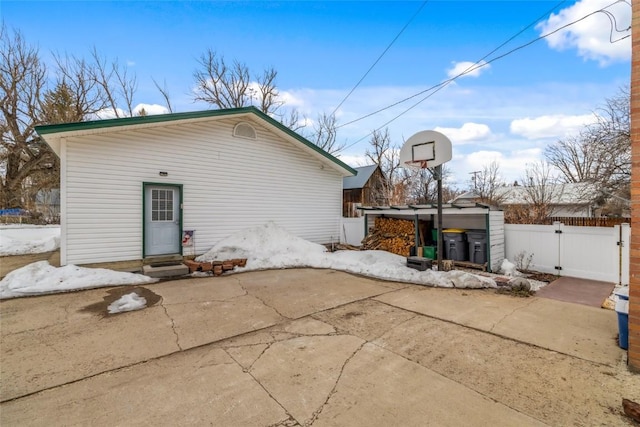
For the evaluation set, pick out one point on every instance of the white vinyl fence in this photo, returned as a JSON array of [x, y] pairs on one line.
[[352, 231], [597, 253]]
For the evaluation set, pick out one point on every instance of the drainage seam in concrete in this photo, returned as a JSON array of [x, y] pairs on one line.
[[456, 381], [500, 335]]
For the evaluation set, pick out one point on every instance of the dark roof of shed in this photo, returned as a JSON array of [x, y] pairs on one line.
[[359, 180]]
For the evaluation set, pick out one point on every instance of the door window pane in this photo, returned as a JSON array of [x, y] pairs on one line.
[[161, 205]]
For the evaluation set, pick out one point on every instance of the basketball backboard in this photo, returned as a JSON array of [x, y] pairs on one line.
[[425, 149]]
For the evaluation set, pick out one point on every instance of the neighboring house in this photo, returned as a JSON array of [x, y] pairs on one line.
[[567, 200], [364, 189], [131, 188]]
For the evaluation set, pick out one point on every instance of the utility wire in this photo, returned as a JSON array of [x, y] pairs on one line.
[[381, 55], [477, 65], [467, 71]]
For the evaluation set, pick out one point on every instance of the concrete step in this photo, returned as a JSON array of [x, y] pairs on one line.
[[165, 271]]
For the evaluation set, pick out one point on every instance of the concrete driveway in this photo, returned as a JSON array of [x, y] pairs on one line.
[[309, 347]]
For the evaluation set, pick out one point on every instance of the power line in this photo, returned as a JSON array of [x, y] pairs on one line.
[[477, 65], [381, 55], [467, 71]]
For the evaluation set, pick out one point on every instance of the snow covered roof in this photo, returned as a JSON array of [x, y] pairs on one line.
[[578, 193], [53, 134], [359, 180]]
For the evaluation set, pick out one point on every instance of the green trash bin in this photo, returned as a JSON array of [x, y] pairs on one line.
[[429, 252]]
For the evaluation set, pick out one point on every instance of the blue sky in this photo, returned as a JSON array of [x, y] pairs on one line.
[[508, 110]]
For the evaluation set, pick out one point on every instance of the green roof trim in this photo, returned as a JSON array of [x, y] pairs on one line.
[[160, 118]]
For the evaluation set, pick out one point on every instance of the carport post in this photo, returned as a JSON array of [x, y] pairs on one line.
[[417, 233], [438, 173]]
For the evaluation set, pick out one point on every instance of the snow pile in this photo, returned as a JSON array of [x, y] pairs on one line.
[[264, 247], [42, 278], [267, 246], [128, 302], [22, 239], [270, 246], [509, 269]]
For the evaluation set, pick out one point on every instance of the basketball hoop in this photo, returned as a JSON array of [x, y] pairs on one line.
[[417, 164], [425, 149]]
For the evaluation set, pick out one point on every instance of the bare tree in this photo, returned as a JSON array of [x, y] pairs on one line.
[[22, 82], [77, 76], [601, 152], [325, 134], [225, 85], [165, 94], [293, 120], [487, 184], [423, 187], [387, 156], [230, 86], [80, 90], [540, 191]]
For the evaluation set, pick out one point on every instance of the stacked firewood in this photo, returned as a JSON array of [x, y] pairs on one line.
[[392, 235], [216, 267]]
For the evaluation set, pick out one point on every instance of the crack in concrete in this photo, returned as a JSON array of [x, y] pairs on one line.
[[261, 300], [289, 422], [43, 328], [509, 314], [248, 372], [173, 325], [317, 413]]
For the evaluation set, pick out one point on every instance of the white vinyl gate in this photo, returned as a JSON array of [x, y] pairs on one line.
[[597, 253]]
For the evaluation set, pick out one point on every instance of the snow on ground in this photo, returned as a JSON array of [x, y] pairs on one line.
[[128, 302], [22, 239], [265, 247], [42, 278], [270, 246]]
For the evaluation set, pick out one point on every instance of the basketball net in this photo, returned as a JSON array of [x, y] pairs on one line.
[[422, 164]]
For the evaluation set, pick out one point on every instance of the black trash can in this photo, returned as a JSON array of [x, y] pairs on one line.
[[477, 241], [455, 244]]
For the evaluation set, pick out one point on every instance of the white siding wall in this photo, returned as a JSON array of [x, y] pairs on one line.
[[229, 184], [495, 240]]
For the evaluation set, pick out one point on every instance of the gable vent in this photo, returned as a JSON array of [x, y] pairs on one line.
[[244, 130]]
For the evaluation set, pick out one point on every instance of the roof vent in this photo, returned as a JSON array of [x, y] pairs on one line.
[[244, 130]]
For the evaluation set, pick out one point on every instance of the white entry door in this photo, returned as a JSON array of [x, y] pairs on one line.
[[161, 220]]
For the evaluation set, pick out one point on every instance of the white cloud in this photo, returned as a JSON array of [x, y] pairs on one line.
[[131, 63], [467, 133], [151, 109], [512, 164], [293, 99], [355, 160], [470, 69], [110, 113], [596, 37], [555, 126]]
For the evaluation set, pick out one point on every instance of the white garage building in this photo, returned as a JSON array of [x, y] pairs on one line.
[[131, 187]]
